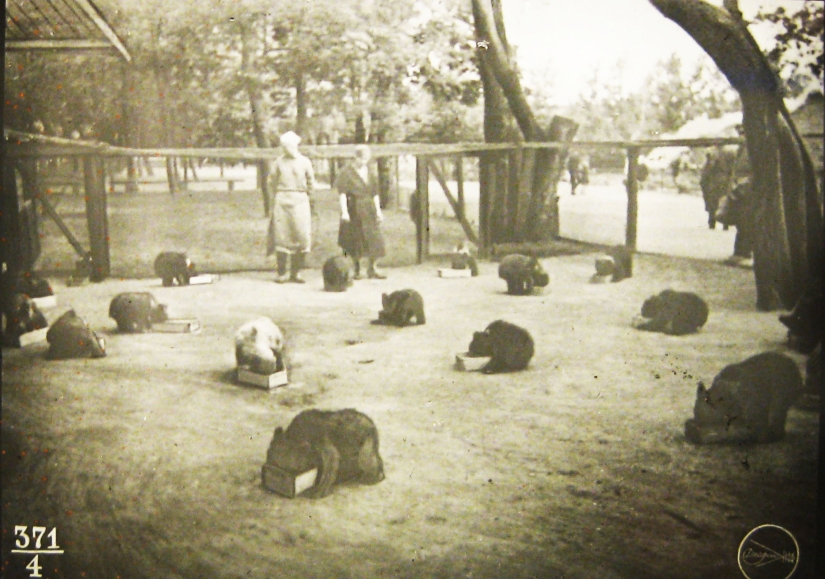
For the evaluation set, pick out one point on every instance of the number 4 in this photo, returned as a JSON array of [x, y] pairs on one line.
[[34, 567]]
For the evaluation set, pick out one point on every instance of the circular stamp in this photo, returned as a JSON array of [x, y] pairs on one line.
[[768, 552]]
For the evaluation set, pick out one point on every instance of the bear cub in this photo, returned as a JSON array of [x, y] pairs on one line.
[[509, 347], [400, 307], [259, 346], [672, 312], [135, 312], [71, 337], [522, 273], [174, 268]]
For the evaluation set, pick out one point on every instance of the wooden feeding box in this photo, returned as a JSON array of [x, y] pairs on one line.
[[450, 272], [203, 278], [33, 337], [246, 376], [45, 302], [716, 433], [466, 363], [287, 483], [177, 326]]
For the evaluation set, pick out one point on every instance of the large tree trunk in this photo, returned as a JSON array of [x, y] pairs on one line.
[[520, 203], [788, 216]]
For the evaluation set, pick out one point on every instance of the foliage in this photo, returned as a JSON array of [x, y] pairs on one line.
[[798, 53]]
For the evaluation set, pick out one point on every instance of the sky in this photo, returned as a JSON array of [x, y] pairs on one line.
[[565, 40]]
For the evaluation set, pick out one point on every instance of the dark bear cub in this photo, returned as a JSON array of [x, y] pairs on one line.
[[32, 285], [21, 316], [522, 273], [337, 274], [71, 337], [136, 311], [341, 444], [748, 401], [509, 346], [804, 323], [623, 263], [461, 258], [174, 268], [672, 312], [400, 307]]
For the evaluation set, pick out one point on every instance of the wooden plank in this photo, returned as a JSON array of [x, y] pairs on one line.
[[103, 26], [97, 217], [52, 146], [484, 176], [49, 208], [52, 44], [422, 226], [632, 197], [468, 230]]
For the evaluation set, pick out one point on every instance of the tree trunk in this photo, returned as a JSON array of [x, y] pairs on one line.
[[788, 216], [256, 103], [301, 106], [523, 205]]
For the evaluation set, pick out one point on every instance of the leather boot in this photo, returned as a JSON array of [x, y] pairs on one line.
[[295, 268], [373, 273], [282, 258]]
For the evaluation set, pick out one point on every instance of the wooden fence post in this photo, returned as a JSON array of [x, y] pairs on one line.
[[96, 216], [632, 197], [459, 179], [486, 169], [422, 225], [171, 176]]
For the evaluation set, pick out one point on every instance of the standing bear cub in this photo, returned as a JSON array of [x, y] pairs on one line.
[[135, 312], [174, 268], [461, 258], [342, 445], [672, 312], [400, 307], [522, 273], [509, 347], [748, 401]]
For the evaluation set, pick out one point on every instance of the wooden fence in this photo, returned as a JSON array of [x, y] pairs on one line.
[[23, 145]]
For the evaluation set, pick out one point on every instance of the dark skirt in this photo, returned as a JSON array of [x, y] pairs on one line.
[[361, 235]]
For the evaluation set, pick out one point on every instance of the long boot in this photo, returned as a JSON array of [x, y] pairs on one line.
[[282, 258], [374, 273], [356, 268], [295, 268]]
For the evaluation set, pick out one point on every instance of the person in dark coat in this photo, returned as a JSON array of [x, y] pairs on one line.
[[742, 203], [716, 181], [359, 234]]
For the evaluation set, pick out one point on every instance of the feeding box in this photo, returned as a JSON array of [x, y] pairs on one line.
[[287, 483], [450, 272], [45, 302], [203, 278], [33, 337], [246, 376], [177, 326], [466, 363]]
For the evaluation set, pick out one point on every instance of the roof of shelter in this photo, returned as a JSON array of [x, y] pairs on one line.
[[59, 25]]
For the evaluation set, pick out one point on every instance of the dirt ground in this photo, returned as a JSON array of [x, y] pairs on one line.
[[148, 461]]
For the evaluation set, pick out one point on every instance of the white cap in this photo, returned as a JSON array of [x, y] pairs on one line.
[[290, 138]]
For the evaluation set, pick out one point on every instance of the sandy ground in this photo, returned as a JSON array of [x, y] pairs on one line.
[[148, 461]]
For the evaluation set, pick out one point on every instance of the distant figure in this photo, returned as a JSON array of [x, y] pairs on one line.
[[740, 206], [716, 181], [579, 172], [290, 220], [359, 234]]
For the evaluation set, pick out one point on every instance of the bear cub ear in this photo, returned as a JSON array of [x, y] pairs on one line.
[[385, 301]]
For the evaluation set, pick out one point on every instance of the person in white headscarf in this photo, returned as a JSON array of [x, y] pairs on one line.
[[290, 222], [359, 233]]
